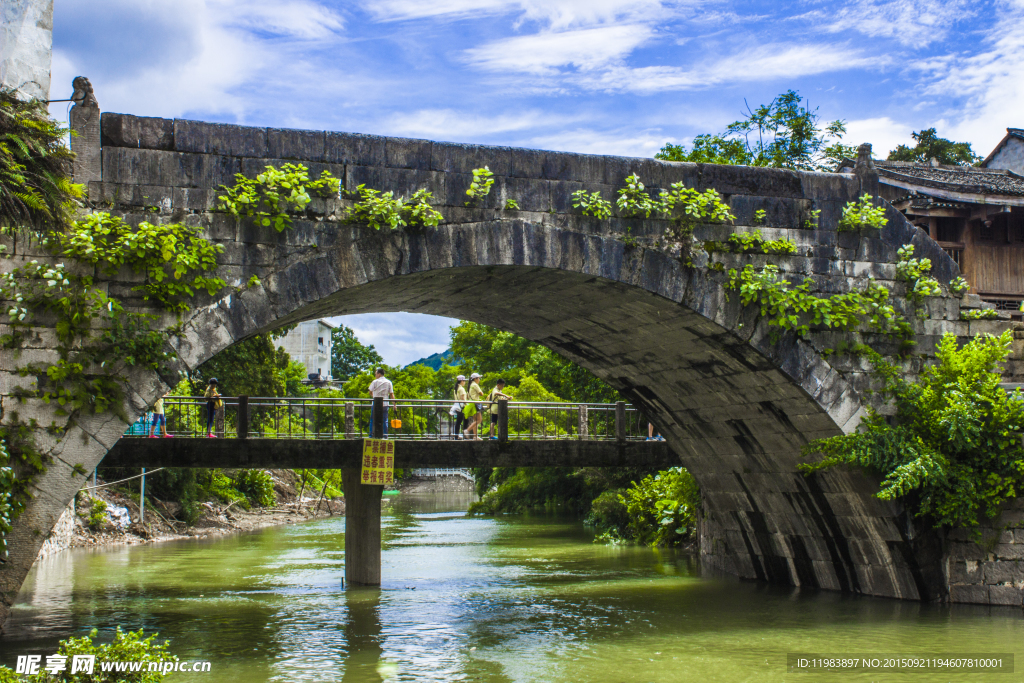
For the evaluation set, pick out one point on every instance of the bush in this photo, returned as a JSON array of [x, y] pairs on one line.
[[662, 508], [257, 486], [127, 647], [953, 449], [98, 514], [608, 512]]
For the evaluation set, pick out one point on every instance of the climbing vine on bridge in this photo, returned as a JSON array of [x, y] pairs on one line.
[[273, 195]]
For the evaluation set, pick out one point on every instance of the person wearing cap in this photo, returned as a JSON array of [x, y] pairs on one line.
[[159, 419], [458, 406], [381, 386], [476, 394], [213, 402], [495, 396]]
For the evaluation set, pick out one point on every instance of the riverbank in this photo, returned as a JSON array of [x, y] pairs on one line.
[[119, 523]]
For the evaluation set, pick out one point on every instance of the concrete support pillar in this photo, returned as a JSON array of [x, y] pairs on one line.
[[620, 421], [350, 420], [243, 417], [584, 428], [84, 119], [502, 421], [362, 530], [377, 419]]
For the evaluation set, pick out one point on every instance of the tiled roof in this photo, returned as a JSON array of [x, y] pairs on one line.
[[960, 179]]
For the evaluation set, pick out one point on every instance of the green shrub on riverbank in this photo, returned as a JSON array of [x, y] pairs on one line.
[[953, 448], [659, 510], [127, 647]]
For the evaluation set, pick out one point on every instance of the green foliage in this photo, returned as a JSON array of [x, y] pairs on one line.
[[662, 508], [98, 514], [811, 222], [752, 243], [349, 355], [781, 134], [252, 367], [256, 486], [862, 214], [914, 272], [760, 216], [417, 211], [634, 199], [953, 448], [172, 257], [379, 210], [127, 647], [928, 145], [7, 507], [511, 205], [276, 193], [213, 483], [959, 286], [697, 207], [483, 179], [35, 167], [789, 307], [709, 149], [979, 314], [592, 204]]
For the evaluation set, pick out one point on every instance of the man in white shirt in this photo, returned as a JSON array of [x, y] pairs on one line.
[[381, 386]]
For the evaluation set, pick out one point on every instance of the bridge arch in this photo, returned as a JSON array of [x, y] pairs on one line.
[[735, 403]]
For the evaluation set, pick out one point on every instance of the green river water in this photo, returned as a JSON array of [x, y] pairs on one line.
[[524, 598]]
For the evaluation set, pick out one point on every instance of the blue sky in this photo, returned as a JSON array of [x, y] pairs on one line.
[[606, 76]]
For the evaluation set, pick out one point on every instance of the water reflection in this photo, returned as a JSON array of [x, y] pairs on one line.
[[526, 598]]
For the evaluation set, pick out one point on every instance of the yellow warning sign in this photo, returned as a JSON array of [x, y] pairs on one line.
[[378, 462]]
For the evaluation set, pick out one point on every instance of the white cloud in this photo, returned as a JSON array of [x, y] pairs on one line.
[[451, 124], [987, 87], [882, 132], [760, 63], [630, 143], [400, 338], [917, 21], [543, 53], [553, 14]]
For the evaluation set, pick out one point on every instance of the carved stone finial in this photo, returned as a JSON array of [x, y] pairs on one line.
[[83, 95], [864, 161], [84, 119]]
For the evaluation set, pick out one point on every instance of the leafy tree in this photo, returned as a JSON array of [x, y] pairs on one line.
[[953, 449], [490, 351], [781, 134], [252, 367], [349, 356], [930, 146]]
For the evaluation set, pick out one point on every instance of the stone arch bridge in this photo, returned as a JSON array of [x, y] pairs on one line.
[[735, 404]]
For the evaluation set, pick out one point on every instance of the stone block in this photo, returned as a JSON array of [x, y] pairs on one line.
[[1001, 571], [209, 170], [407, 153], [219, 138], [123, 130], [1007, 551], [301, 145], [127, 166], [968, 571], [767, 182], [453, 157], [354, 148], [970, 594], [995, 327], [1005, 595]]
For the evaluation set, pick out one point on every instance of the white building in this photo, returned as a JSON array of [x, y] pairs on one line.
[[310, 344]]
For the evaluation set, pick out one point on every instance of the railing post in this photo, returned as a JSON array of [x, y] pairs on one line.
[[350, 420], [377, 428], [502, 421], [620, 421], [584, 429], [242, 419]]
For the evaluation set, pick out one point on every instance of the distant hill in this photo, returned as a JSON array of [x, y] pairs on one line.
[[436, 360]]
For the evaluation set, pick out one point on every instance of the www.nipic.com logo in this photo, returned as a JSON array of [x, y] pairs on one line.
[[87, 664]]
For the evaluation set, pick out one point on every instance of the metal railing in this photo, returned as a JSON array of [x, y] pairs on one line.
[[443, 472], [255, 417]]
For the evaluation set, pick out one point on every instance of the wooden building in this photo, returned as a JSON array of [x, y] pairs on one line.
[[975, 214]]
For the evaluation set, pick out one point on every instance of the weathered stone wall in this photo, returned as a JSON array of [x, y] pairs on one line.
[[735, 402], [988, 566], [61, 535], [26, 38]]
